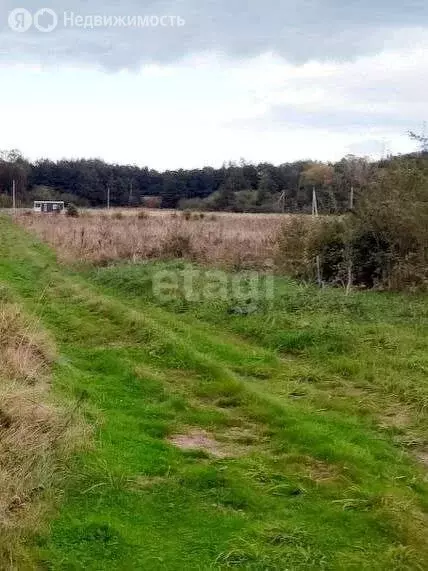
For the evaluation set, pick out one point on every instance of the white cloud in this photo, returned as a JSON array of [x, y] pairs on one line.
[[355, 81]]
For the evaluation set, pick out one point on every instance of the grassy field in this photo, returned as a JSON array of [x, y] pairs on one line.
[[223, 239], [253, 433]]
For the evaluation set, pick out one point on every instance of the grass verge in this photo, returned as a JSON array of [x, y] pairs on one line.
[[36, 435]]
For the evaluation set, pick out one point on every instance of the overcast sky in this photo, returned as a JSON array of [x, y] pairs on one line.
[[263, 80]]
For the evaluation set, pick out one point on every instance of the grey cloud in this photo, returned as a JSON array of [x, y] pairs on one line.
[[298, 30], [280, 117]]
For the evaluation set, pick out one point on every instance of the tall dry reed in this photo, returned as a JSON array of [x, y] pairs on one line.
[[229, 240]]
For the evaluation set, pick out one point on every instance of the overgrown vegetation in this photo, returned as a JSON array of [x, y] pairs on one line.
[[72, 210], [232, 240], [382, 243], [292, 436]]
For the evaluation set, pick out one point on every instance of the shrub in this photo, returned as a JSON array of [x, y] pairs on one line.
[[192, 204], [188, 215], [295, 251], [383, 243], [177, 246], [5, 201], [331, 243], [390, 230], [72, 210]]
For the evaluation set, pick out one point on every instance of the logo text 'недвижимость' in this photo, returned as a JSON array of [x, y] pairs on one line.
[[47, 20]]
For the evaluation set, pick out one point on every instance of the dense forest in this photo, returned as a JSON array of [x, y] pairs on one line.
[[233, 187]]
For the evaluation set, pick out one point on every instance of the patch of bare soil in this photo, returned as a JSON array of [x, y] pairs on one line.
[[422, 456], [233, 442], [199, 440], [321, 472], [399, 418]]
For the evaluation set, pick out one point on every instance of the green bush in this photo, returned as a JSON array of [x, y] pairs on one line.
[[294, 255], [383, 243], [72, 210], [5, 201], [390, 229], [304, 239]]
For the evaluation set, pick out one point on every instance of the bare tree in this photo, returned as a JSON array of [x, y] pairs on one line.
[[421, 139]]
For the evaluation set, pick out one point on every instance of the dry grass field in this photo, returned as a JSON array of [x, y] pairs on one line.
[[35, 435], [229, 240]]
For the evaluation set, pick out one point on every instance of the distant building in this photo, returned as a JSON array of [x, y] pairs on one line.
[[49, 206]]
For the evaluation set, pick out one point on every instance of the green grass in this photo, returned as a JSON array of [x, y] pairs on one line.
[[318, 398]]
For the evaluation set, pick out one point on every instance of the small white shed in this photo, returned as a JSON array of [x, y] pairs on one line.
[[49, 206]]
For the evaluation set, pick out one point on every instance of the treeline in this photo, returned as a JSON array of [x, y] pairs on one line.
[[234, 187]]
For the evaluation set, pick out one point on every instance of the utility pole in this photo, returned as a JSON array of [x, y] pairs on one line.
[[351, 199], [108, 197], [14, 195], [350, 276], [130, 201], [315, 215], [314, 202], [349, 248], [281, 201]]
